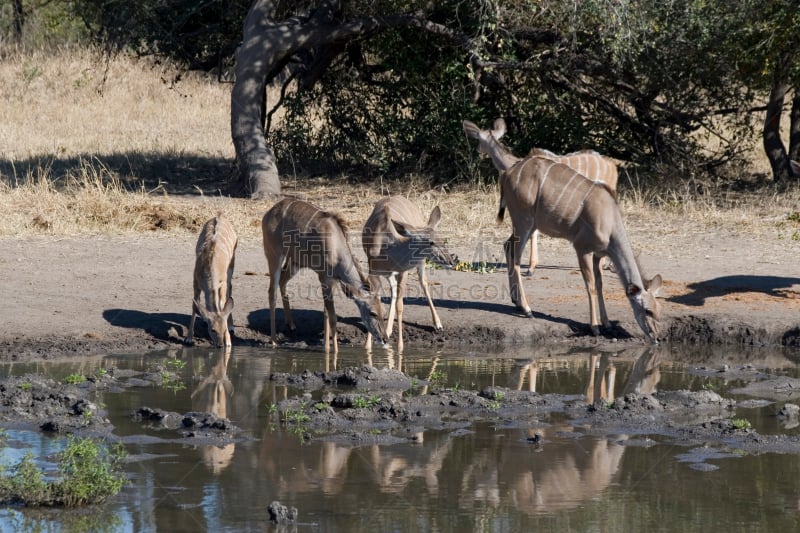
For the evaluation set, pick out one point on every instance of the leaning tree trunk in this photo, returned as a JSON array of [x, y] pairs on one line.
[[257, 56], [794, 128], [773, 146], [267, 46]]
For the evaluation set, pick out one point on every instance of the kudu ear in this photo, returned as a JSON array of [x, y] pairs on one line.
[[470, 128], [499, 128], [654, 285], [201, 309], [435, 218], [228, 306]]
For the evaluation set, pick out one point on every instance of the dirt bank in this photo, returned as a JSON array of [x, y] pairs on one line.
[[101, 294]]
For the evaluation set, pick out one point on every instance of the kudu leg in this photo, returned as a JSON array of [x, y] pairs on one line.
[[274, 280], [423, 281], [401, 293], [588, 265], [287, 273], [513, 248], [534, 257], [375, 287], [230, 294], [597, 263], [189, 340], [392, 304], [329, 317]]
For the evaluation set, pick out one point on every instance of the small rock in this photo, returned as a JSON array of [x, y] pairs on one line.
[[280, 514], [789, 410]]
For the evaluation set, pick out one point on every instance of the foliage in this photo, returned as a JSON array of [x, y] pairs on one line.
[[670, 83], [44, 24], [89, 472], [741, 423], [199, 34], [74, 379]]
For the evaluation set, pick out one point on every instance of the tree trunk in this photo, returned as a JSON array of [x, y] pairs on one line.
[[794, 128], [267, 46], [773, 146], [19, 20], [255, 58]]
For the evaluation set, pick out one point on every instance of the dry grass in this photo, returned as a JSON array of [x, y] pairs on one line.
[[66, 115]]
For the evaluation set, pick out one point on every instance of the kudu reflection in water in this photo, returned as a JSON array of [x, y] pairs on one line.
[[211, 396], [643, 379]]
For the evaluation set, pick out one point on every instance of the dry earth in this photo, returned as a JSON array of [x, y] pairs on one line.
[[98, 294]]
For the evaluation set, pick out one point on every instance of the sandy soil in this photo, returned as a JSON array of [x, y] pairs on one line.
[[103, 294]]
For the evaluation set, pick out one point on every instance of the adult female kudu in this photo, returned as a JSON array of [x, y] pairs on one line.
[[299, 235], [549, 196], [213, 271], [397, 239]]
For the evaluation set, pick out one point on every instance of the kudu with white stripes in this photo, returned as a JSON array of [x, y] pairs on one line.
[[397, 239], [299, 235], [587, 163], [549, 196], [213, 272]]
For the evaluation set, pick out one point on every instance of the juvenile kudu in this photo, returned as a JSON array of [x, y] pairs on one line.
[[555, 199], [213, 271], [299, 235], [587, 163], [397, 239]]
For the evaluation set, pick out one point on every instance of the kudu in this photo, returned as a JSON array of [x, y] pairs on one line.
[[213, 271], [587, 163], [299, 235], [549, 196], [397, 239]]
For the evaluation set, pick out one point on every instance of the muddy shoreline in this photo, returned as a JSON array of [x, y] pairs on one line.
[[367, 405]]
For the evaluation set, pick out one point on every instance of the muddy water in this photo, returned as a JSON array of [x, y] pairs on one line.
[[488, 477]]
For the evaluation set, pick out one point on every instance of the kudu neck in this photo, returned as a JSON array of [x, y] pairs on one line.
[[501, 156], [621, 254]]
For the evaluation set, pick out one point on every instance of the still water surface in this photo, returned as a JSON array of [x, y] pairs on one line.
[[486, 478]]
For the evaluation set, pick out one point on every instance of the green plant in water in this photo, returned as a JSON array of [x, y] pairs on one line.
[[26, 386], [296, 417], [89, 472], [74, 379], [741, 423], [171, 382], [364, 402], [438, 376]]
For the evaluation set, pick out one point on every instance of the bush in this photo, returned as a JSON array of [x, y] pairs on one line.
[[89, 472]]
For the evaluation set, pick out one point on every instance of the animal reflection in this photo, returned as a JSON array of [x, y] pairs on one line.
[[211, 396], [601, 384], [554, 473]]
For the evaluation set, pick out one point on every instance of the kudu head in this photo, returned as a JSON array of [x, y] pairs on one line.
[[421, 242], [485, 138], [369, 320], [647, 307], [217, 323]]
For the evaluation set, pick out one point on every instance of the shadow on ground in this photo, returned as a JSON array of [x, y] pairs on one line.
[[152, 171], [775, 286]]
